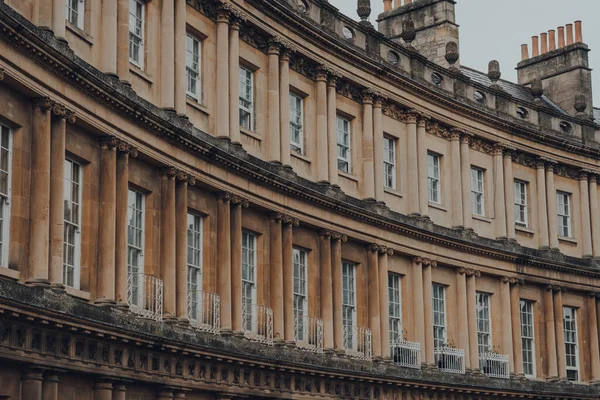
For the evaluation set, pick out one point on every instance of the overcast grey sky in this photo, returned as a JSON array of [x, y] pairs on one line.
[[492, 29]]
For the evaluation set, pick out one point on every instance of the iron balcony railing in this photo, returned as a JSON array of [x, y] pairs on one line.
[[406, 354], [308, 333], [257, 323], [495, 365], [145, 295], [358, 343], [449, 359], [204, 311]]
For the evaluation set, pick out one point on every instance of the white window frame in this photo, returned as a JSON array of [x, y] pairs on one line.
[[478, 191], [434, 167], [193, 66], [389, 162], [344, 142], [300, 290], [520, 194], [194, 263], [134, 35], [484, 322], [246, 80], [74, 225], [296, 123], [249, 250], [395, 307], [528, 337], [138, 295], [439, 316], [77, 7], [563, 205], [5, 198], [571, 342], [349, 303]]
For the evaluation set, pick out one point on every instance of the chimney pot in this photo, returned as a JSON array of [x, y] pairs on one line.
[[552, 39], [387, 5], [561, 37], [397, 3], [407, 2], [535, 46], [524, 52], [578, 32], [569, 34], [544, 39]]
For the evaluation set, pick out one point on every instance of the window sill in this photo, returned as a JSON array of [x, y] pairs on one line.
[[140, 72], [83, 35], [393, 192], [192, 102], [301, 157], [10, 273], [80, 294], [524, 229], [482, 218], [568, 239], [250, 133], [438, 206], [347, 176]]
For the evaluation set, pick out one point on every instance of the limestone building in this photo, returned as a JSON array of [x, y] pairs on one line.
[[219, 199]]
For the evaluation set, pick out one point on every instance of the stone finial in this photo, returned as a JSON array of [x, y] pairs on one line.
[[408, 32], [580, 104], [537, 89], [452, 54], [364, 11], [494, 73]]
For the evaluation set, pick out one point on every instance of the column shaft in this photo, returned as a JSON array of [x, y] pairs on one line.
[[595, 215], [122, 199], [466, 182], [367, 148], [180, 57], [374, 290], [418, 306], [288, 282], [58, 18], [276, 275], [234, 81], [336, 271], [592, 313], [463, 320], [472, 316], [422, 166], [499, 197], [332, 130], [167, 54], [50, 387], [236, 266], [552, 371], [586, 227], [384, 309], [457, 211], [274, 143], [224, 259], [181, 242], [222, 109], [322, 132], [427, 285], [32, 385], [284, 107], [108, 41], [119, 392], [167, 240], [509, 196], [413, 167], [552, 207], [542, 208], [513, 343], [560, 335], [378, 151], [123, 40], [326, 289], [103, 390], [57, 205]]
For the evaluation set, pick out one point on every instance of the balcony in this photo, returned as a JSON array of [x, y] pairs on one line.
[[406, 354], [257, 323], [204, 311], [495, 365], [308, 333], [145, 296], [358, 343], [450, 360]]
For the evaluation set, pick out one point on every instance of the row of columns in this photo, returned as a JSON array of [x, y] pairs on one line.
[[327, 168]]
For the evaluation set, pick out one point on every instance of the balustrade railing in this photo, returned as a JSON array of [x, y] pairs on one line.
[[449, 359], [308, 333], [204, 311], [257, 322], [495, 365], [358, 343], [145, 295], [406, 354]]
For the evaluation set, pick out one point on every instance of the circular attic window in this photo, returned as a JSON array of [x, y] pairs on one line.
[[437, 79], [348, 33], [522, 112], [393, 57], [479, 96], [566, 127]]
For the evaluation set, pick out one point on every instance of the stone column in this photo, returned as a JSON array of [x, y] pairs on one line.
[[413, 167], [50, 387], [586, 226], [463, 319], [167, 241], [509, 194], [499, 197], [418, 305], [472, 316], [515, 321], [560, 333], [336, 271], [223, 72], [422, 167], [180, 57], [165, 393], [427, 285], [103, 390], [592, 313], [108, 40], [288, 278], [457, 211], [552, 206], [322, 132], [374, 293], [384, 305], [507, 316], [378, 150], [276, 275], [552, 371], [332, 128], [224, 259], [119, 391], [367, 146], [181, 243], [123, 40], [105, 294], [167, 54], [542, 205], [40, 193], [595, 215], [465, 160], [58, 19], [57, 204], [122, 205], [284, 106], [237, 206], [234, 79], [32, 384], [326, 291], [274, 142]]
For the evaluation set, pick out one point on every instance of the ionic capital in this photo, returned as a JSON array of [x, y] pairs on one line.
[[43, 103], [412, 116], [592, 295], [374, 248], [556, 288], [289, 220], [550, 163], [472, 272], [276, 217], [417, 260], [109, 142], [548, 288], [466, 137], [325, 234], [224, 12], [383, 249], [339, 237], [498, 149], [584, 174], [367, 95], [170, 172], [225, 197], [125, 147], [240, 201], [509, 152], [426, 262]]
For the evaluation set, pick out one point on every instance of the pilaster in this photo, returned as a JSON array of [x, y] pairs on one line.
[[586, 227], [367, 146], [276, 275], [552, 363], [323, 139], [509, 193], [223, 72], [326, 285], [167, 240], [427, 297], [234, 79], [373, 300], [457, 206], [224, 259], [378, 149], [413, 164], [551, 204], [499, 197], [332, 126], [542, 206], [336, 268], [274, 139], [384, 310], [465, 161], [237, 206], [284, 106], [422, 166], [418, 306], [288, 278]]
